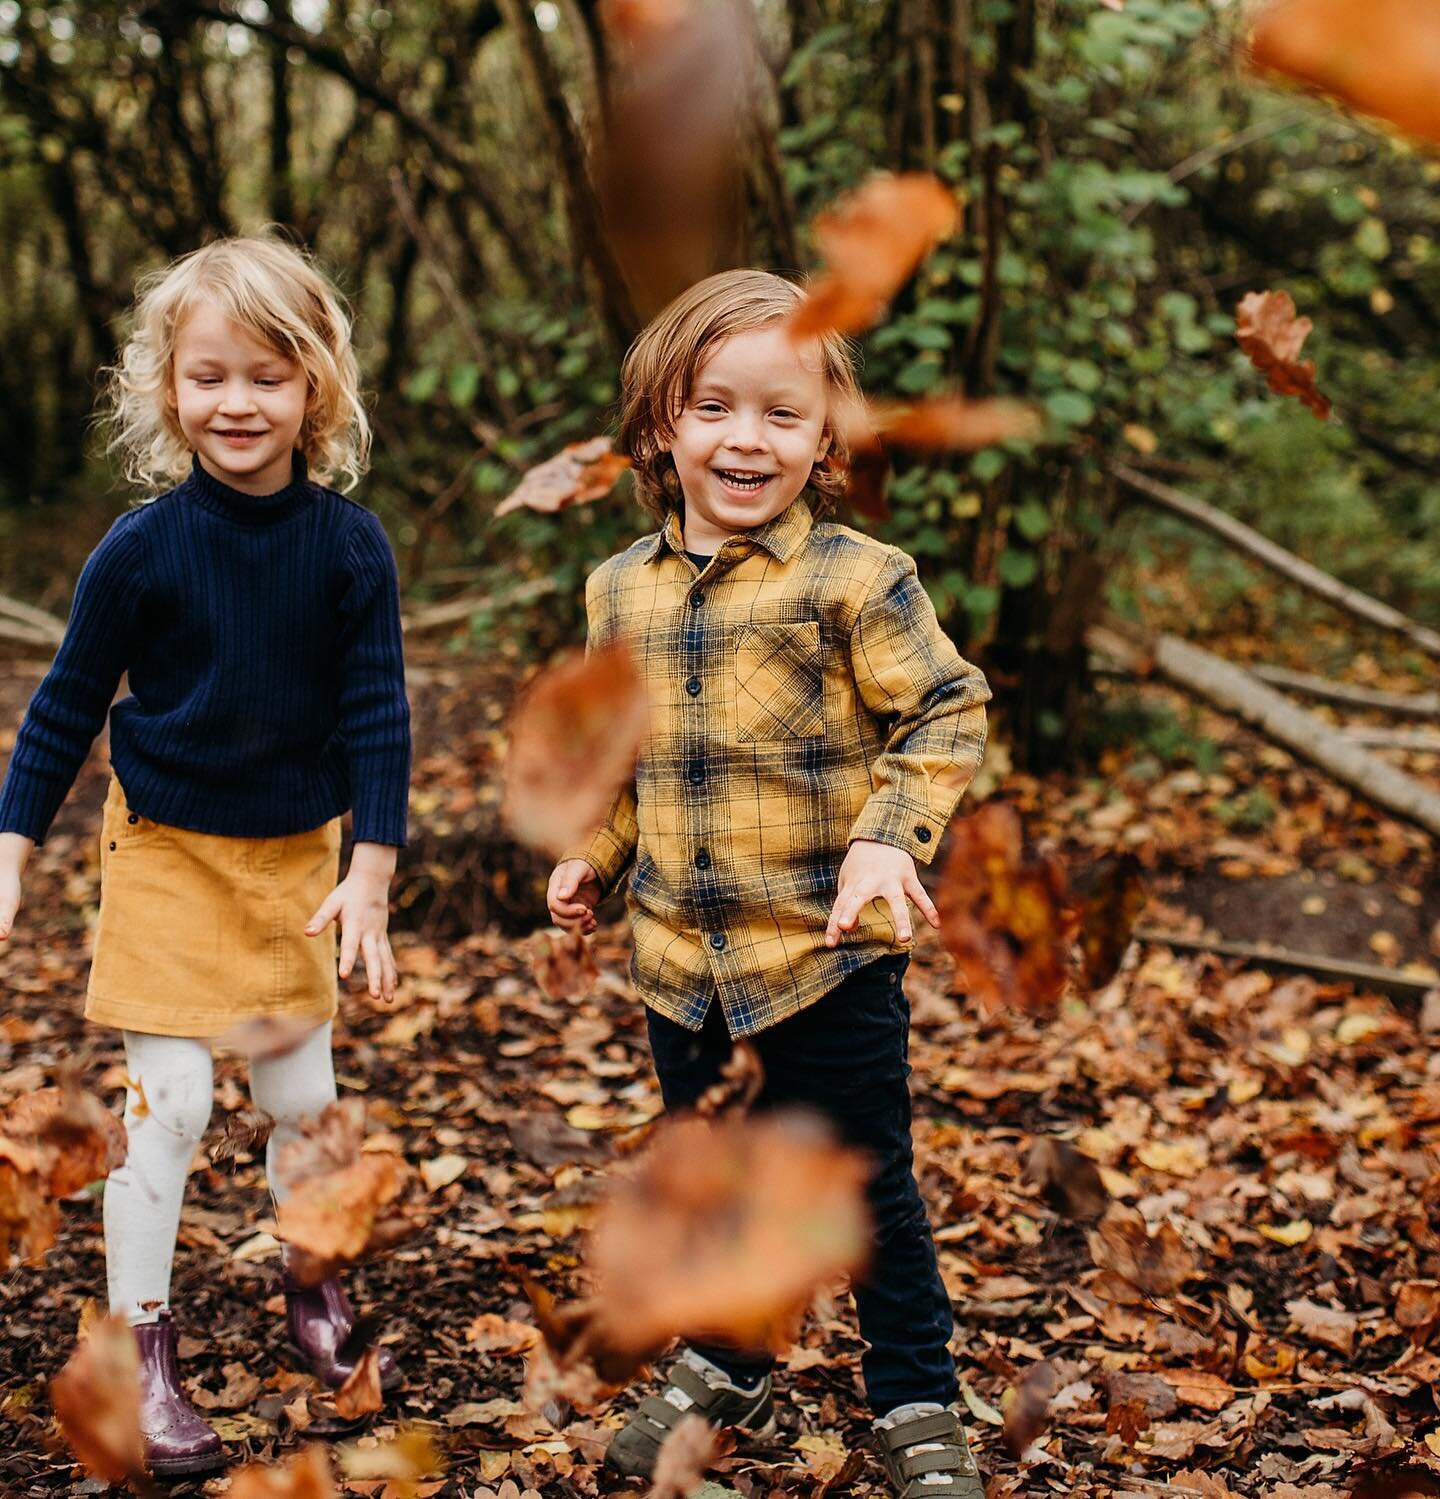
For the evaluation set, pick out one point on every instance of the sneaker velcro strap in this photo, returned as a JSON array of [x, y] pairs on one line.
[[659, 1413], [948, 1460], [683, 1377], [941, 1427]]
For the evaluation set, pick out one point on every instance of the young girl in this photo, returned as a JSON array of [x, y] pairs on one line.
[[257, 614]]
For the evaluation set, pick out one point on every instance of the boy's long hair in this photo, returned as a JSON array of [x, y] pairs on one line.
[[659, 373], [275, 292]]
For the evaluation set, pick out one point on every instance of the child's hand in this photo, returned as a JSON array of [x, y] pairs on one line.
[[573, 895], [874, 871], [361, 901], [15, 849]]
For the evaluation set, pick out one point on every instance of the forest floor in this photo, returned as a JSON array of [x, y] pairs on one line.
[[1285, 1128]]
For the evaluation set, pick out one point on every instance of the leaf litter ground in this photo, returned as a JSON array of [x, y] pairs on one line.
[[1254, 1315]]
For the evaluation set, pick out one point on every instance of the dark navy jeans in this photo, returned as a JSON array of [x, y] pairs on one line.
[[846, 1056]]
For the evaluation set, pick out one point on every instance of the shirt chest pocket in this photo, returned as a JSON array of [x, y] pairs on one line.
[[779, 682]]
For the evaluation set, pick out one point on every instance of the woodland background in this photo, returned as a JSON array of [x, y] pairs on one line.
[[1126, 182]]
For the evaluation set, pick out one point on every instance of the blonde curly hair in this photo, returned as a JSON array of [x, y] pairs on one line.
[[276, 292], [659, 373]]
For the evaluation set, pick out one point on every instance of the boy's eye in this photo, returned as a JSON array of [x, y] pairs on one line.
[[710, 408], [785, 415]]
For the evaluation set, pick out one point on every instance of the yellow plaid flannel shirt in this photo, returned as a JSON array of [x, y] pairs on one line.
[[802, 695]]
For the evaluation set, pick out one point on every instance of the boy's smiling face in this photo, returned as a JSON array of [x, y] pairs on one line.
[[746, 440]]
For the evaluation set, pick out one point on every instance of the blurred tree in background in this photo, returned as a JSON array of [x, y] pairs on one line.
[[1125, 184]]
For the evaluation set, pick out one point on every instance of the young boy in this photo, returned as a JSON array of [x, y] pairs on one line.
[[812, 731]]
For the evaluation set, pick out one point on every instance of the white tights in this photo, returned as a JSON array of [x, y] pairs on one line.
[[142, 1197]]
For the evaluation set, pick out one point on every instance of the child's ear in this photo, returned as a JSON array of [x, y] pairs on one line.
[[823, 449]]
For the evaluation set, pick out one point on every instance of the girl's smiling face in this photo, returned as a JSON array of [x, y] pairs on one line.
[[239, 402], [748, 436]]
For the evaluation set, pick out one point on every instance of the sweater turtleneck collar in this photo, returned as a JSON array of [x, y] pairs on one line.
[[254, 509]]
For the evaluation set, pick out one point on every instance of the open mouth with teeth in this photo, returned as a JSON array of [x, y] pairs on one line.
[[234, 434], [734, 478]]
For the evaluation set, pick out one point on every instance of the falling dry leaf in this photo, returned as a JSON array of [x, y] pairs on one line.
[[938, 424], [1381, 57], [693, 1444], [96, 1398], [573, 742], [1109, 910], [244, 1131], [563, 964], [53, 1142], [266, 1036], [725, 1230], [405, 1458], [1269, 332], [1138, 1263], [1069, 1182], [1029, 1407], [303, 1475], [1006, 923], [871, 242], [360, 1394], [343, 1203], [578, 474], [670, 165]]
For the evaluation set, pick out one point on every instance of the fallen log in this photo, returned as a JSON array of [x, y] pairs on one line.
[[452, 611], [1409, 704], [1234, 690], [27, 624], [1394, 982], [1245, 539], [1415, 741]]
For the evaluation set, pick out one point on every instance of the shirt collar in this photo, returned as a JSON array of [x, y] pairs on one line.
[[218, 497], [781, 536]]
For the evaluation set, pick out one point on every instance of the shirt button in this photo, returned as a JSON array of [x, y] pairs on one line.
[[717, 940], [702, 859], [923, 834], [697, 598], [112, 848], [696, 774], [133, 817], [693, 687]]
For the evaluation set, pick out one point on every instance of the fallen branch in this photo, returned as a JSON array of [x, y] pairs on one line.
[[1393, 982], [1245, 539], [1234, 690], [1416, 741], [26, 623], [453, 611], [1411, 704]]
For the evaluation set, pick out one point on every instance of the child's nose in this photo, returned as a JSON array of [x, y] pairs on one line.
[[237, 396], [746, 434]]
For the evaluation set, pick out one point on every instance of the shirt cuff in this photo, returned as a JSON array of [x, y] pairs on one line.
[[916, 830], [608, 857]]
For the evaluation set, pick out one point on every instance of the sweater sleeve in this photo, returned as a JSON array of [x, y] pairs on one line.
[[68, 709], [910, 675], [374, 712]]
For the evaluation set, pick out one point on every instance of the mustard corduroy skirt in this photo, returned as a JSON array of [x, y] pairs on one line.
[[199, 932]]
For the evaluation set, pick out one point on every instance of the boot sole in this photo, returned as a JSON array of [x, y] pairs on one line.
[[180, 1467]]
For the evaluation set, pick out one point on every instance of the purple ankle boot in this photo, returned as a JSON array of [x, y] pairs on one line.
[[320, 1320], [177, 1439]]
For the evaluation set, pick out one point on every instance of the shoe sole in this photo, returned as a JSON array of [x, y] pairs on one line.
[[751, 1434]]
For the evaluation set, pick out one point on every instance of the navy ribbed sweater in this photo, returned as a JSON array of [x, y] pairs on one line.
[[267, 680]]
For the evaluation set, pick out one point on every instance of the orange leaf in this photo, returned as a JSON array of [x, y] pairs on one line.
[[1272, 336], [1007, 923], [88, 1141], [563, 965], [872, 241], [693, 1444], [579, 473], [360, 1394], [96, 1398], [573, 742], [1381, 57], [1153, 1264], [343, 1203], [303, 1475]]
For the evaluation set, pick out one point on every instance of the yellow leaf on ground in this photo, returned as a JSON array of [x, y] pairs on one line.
[[1289, 1234]]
